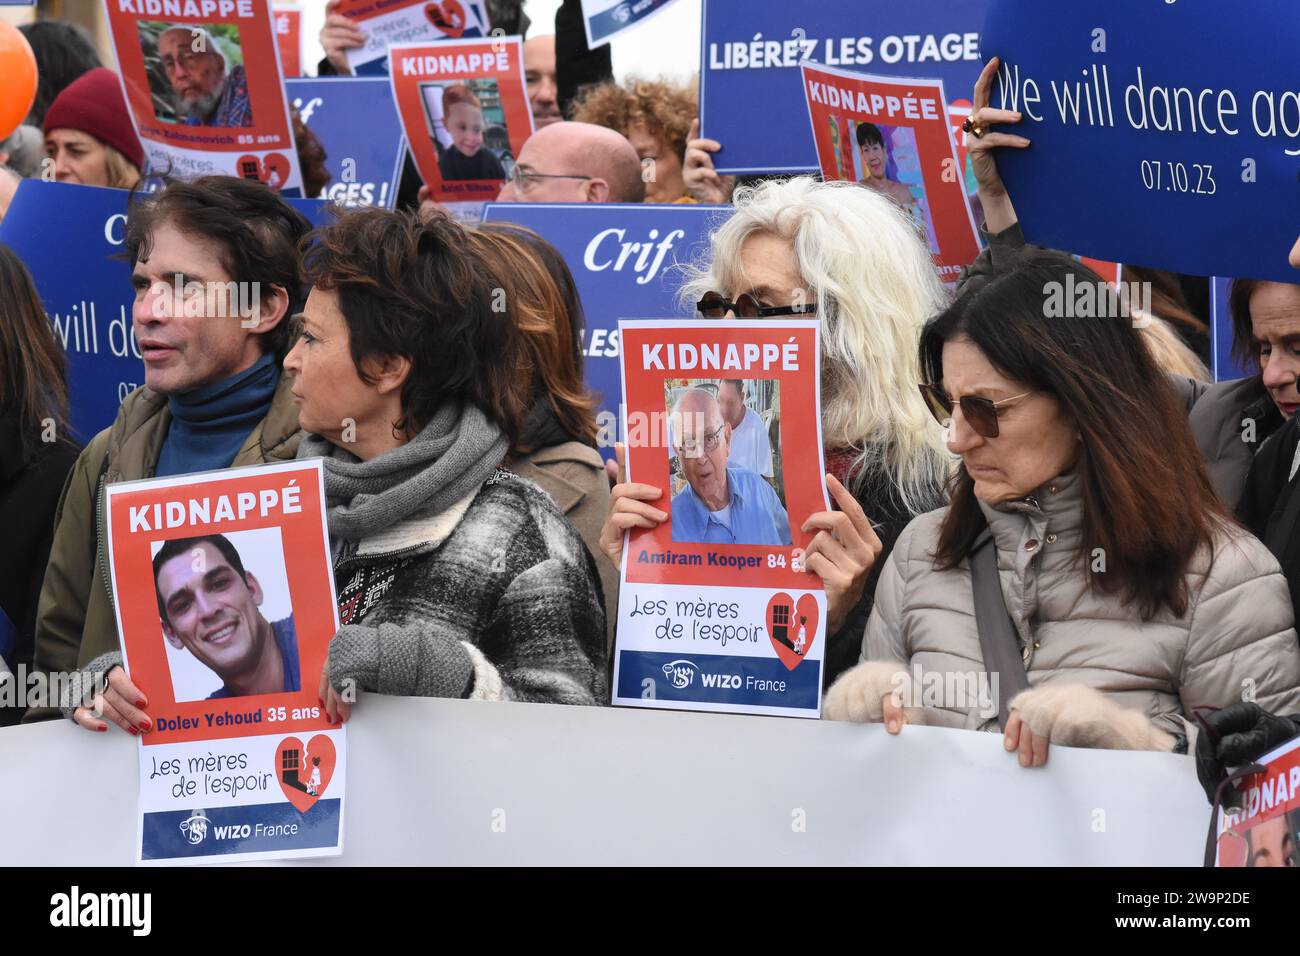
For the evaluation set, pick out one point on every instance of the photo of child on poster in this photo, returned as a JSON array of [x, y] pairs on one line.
[[196, 73], [468, 128], [465, 112], [226, 615], [724, 487]]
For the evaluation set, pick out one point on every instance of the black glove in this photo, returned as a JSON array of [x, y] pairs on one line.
[[1238, 735]]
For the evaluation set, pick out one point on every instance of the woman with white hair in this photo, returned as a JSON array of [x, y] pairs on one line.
[[853, 259]]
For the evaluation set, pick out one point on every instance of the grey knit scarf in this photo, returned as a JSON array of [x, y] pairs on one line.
[[455, 453]]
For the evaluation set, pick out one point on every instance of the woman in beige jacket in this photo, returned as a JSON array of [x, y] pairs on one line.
[[1133, 595], [557, 447]]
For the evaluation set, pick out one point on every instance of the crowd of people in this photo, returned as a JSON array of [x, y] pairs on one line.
[[1135, 524]]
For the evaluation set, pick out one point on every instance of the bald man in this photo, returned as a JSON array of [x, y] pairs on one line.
[[575, 162], [540, 78]]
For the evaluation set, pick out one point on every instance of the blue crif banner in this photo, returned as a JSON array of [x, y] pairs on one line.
[[1164, 134], [626, 262], [751, 91], [71, 237], [357, 124]]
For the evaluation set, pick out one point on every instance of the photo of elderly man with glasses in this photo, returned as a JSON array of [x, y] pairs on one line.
[[204, 88], [721, 503]]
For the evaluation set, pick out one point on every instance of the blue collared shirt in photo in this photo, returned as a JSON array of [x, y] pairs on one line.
[[754, 514]]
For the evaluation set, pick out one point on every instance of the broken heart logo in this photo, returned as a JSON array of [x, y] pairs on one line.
[[304, 772], [272, 170], [792, 627], [448, 16]]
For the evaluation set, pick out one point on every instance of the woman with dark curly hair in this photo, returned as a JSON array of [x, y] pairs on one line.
[[655, 116]]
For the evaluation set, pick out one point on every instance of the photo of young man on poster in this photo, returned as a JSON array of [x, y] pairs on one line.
[[210, 605], [719, 501], [1272, 843], [196, 74]]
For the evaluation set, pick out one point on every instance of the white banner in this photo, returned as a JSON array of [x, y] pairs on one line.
[[476, 782]]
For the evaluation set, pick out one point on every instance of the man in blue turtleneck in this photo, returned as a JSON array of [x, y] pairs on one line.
[[215, 269]]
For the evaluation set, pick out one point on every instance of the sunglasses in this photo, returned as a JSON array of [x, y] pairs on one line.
[[980, 413], [713, 305]]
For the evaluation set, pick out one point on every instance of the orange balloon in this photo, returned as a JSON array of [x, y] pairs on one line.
[[18, 67]]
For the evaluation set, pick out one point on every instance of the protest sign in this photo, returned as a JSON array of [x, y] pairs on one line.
[[1225, 364], [204, 89], [225, 604], [288, 37], [387, 23], [357, 124], [1164, 135], [716, 610], [465, 112], [893, 136], [1265, 829], [670, 789], [606, 19], [751, 51], [626, 262], [71, 238]]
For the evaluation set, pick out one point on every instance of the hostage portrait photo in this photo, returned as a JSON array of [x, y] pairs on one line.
[[1269, 843], [226, 616], [886, 159], [196, 74], [467, 123], [724, 456]]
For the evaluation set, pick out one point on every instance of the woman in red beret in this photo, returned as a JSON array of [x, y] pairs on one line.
[[89, 135]]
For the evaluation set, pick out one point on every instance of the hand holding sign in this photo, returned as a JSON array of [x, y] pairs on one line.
[[336, 709], [337, 36], [999, 213], [628, 510], [842, 553], [703, 182], [121, 702]]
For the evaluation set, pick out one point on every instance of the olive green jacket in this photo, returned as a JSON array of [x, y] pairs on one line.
[[75, 620]]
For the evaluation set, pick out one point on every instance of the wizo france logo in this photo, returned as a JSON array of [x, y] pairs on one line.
[[195, 827], [680, 673]]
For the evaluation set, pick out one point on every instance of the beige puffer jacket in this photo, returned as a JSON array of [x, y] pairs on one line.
[[1237, 633]]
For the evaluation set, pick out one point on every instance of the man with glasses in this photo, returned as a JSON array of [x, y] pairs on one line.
[[721, 503], [575, 162], [206, 92]]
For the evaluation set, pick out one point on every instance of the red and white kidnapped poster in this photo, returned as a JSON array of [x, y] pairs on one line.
[[894, 136], [464, 110], [1264, 831], [225, 604], [716, 611], [204, 89]]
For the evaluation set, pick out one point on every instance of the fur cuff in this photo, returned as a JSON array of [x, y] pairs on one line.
[[857, 694], [1074, 715], [487, 679]]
